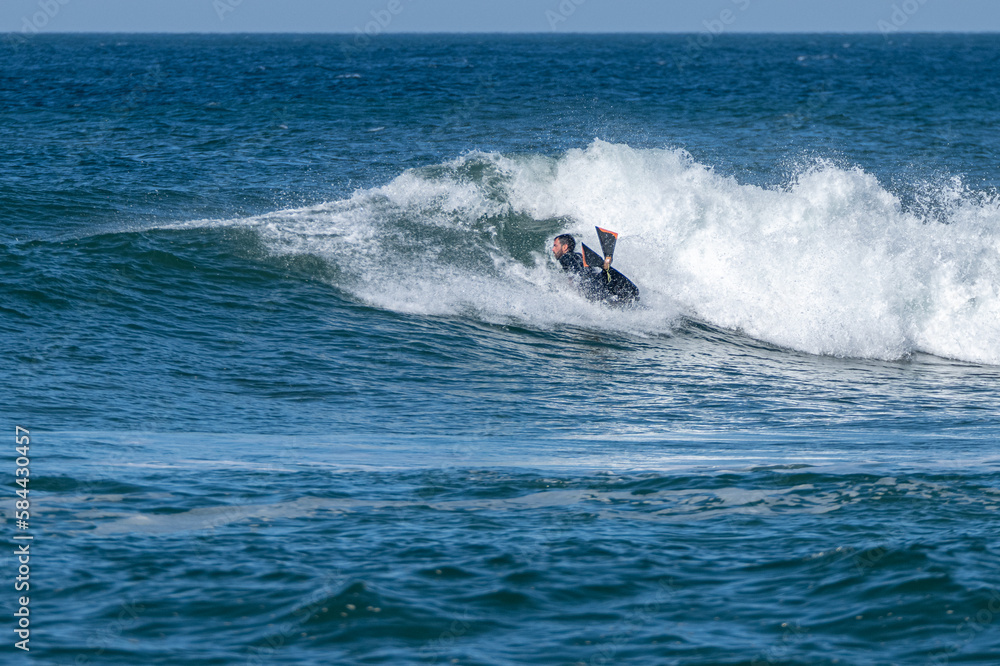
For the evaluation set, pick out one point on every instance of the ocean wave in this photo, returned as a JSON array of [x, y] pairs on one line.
[[831, 262]]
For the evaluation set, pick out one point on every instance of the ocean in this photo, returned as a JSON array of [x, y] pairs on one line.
[[291, 375]]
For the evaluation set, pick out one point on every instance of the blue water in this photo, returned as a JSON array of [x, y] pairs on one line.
[[304, 383]]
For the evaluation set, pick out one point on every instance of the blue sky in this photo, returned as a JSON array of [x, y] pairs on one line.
[[385, 16]]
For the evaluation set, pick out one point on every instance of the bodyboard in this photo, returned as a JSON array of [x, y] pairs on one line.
[[609, 285], [619, 288]]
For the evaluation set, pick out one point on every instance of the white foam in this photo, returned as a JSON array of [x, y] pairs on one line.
[[829, 263]]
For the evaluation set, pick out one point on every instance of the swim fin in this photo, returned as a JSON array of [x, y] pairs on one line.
[[608, 240]]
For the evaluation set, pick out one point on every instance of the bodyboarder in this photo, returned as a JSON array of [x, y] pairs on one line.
[[596, 281]]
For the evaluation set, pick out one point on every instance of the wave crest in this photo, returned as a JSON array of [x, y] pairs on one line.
[[830, 262]]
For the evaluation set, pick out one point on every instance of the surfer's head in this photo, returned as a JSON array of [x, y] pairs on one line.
[[563, 244]]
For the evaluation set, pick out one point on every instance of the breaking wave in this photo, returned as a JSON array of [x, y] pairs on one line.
[[830, 262]]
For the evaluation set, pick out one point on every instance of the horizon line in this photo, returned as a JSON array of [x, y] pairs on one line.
[[498, 32]]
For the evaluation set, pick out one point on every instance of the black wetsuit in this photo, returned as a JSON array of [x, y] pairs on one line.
[[586, 278], [573, 263], [598, 285]]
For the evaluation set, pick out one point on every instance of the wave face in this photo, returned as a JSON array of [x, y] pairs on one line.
[[830, 262]]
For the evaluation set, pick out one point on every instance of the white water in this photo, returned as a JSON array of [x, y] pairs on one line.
[[829, 263]]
